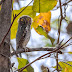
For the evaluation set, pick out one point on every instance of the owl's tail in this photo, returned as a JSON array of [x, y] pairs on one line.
[[17, 48]]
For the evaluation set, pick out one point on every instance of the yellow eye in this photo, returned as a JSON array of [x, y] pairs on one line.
[[21, 20], [28, 19]]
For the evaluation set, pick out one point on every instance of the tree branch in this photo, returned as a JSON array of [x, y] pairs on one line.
[[49, 53], [35, 49], [62, 5], [5, 21], [59, 34]]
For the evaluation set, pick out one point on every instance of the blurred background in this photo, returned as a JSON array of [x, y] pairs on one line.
[[37, 40]]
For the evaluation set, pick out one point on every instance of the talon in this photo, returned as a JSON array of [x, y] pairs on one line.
[[26, 49]]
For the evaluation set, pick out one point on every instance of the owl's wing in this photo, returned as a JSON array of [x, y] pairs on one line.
[[22, 38]]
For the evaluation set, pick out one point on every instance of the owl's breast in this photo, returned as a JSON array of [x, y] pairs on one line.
[[26, 37]]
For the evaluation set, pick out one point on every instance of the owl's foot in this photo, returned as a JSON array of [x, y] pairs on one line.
[[26, 49]]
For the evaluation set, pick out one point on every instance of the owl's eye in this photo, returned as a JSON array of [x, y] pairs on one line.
[[28, 19], [21, 19]]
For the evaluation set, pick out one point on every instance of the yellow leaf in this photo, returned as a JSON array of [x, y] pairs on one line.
[[41, 24], [66, 69], [43, 19]]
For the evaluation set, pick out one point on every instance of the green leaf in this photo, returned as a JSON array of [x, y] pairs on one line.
[[44, 5], [29, 68], [43, 32], [65, 66], [22, 62], [27, 11]]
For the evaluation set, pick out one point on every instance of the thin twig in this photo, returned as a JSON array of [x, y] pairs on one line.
[[60, 68], [66, 42], [60, 21], [57, 49], [66, 46], [62, 5], [46, 56], [13, 22], [8, 31], [13, 50], [59, 34], [24, 8]]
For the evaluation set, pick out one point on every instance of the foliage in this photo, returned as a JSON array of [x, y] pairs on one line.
[[43, 19], [44, 5], [22, 62], [27, 11], [41, 23], [66, 66]]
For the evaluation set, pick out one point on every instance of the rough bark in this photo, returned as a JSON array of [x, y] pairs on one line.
[[5, 21]]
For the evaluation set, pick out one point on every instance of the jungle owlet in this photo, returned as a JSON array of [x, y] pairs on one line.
[[23, 32]]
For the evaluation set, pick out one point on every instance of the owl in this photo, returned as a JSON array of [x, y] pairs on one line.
[[23, 32]]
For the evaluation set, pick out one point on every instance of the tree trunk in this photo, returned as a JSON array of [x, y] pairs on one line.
[[5, 21]]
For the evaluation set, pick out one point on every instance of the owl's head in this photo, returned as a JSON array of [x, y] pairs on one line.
[[25, 20]]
